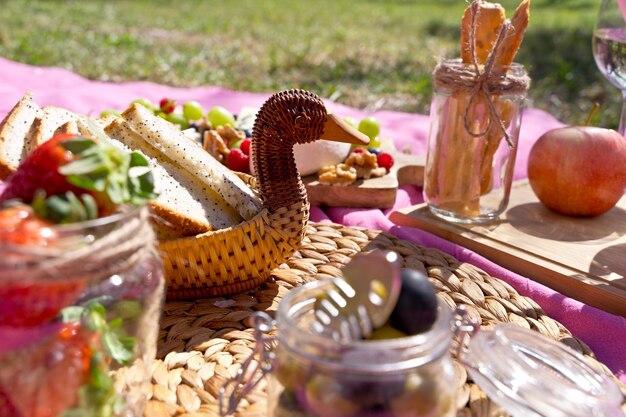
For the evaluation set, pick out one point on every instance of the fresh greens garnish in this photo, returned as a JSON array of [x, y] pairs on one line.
[[65, 208], [117, 345], [102, 167], [98, 397]]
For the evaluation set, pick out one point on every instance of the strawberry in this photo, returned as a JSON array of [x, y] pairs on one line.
[[20, 226], [385, 160], [167, 105], [7, 408], [59, 366], [72, 178], [245, 146], [238, 161], [30, 302]]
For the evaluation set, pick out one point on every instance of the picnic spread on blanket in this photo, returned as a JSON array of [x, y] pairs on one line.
[[200, 251]]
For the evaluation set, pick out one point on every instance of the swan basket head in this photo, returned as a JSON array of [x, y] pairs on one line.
[[287, 118]]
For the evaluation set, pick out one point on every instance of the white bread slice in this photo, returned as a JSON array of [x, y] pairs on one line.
[[70, 127], [46, 124], [185, 205], [171, 141], [13, 131], [105, 120]]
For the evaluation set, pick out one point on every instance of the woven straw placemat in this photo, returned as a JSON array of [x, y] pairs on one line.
[[203, 343]]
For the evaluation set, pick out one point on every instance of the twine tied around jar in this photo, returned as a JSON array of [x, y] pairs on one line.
[[456, 76], [98, 251]]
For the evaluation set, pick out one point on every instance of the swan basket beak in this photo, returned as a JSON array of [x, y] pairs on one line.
[[336, 130]]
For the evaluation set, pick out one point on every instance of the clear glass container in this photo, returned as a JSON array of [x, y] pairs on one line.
[[470, 159], [316, 376], [313, 375], [79, 320], [530, 375]]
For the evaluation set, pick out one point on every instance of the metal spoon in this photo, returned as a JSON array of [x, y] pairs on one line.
[[362, 300]]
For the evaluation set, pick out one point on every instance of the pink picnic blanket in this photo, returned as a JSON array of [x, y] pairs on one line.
[[604, 333]]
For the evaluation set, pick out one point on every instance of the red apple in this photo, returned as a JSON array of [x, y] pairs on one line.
[[578, 171]]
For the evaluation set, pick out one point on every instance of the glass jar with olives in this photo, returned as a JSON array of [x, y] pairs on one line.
[[313, 375], [316, 376]]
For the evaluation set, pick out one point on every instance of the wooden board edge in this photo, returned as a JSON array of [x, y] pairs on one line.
[[581, 286], [325, 195]]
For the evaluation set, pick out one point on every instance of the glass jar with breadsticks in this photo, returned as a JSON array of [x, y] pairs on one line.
[[476, 116]]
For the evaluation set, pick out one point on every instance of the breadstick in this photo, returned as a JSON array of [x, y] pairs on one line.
[[488, 19], [506, 109], [505, 56], [459, 166], [514, 36]]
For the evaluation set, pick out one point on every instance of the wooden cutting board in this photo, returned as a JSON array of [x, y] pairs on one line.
[[583, 258], [374, 192]]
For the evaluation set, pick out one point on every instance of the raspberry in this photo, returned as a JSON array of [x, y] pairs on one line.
[[385, 160], [245, 146], [358, 150], [238, 161], [167, 105]]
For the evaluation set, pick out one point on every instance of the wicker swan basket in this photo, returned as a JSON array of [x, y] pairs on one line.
[[239, 258]]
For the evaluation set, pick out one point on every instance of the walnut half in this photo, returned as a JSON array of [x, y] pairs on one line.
[[365, 165], [214, 144], [340, 174]]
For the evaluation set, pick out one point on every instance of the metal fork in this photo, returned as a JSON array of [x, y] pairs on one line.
[[362, 300]]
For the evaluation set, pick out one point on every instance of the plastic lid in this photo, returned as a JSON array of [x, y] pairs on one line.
[[530, 375]]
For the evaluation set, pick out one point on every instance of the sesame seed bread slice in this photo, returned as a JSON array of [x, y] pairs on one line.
[[45, 125], [171, 141], [70, 127], [13, 131], [185, 205]]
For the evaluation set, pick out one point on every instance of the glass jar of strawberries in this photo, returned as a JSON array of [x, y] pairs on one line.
[[81, 285]]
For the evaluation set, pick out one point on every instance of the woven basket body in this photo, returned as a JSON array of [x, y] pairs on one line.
[[239, 258], [235, 259]]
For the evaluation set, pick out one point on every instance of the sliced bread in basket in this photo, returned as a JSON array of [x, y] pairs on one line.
[[13, 131], [185, 205], [171, 141], [191, 182], [45, 125]]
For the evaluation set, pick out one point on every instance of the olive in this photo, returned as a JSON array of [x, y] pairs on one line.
[[288, 405], [325, 396], [419, 397], [416, 308], [386, 332], [290, 372]]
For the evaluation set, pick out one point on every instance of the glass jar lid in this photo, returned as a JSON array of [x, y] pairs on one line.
[[530, 375]]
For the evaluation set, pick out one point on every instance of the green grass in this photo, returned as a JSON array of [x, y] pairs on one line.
[[364, 53]]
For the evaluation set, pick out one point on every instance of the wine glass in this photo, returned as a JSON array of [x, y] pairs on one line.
[[609, 47]]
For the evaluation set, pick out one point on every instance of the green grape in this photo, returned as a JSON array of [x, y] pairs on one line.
[[370, 127], [107, 112], [235, 144], [178, 119], [351, 121], [147, 104], [192, 110], [374, 143], [127, 309], [219, 116]]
